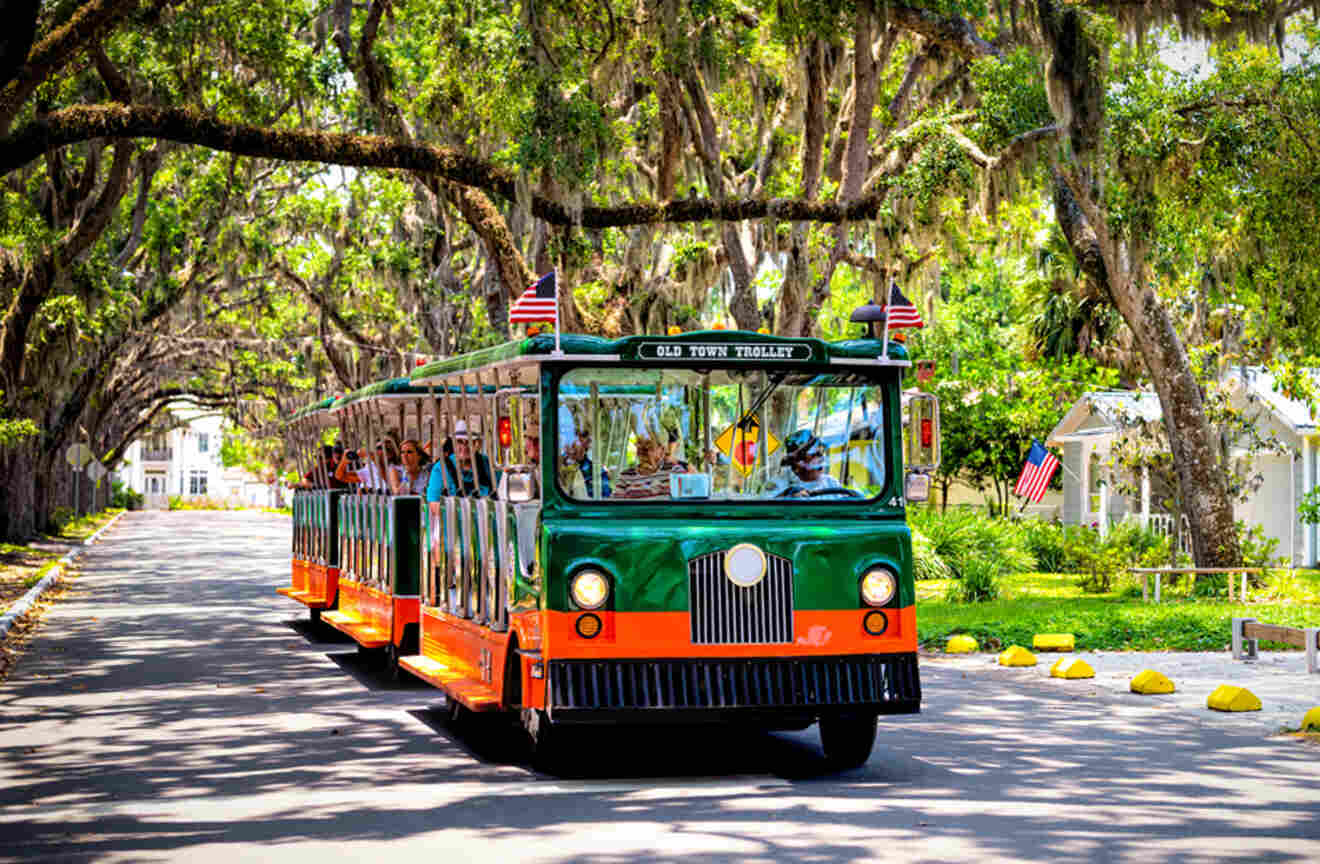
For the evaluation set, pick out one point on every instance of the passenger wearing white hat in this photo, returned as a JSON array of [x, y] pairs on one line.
[[454, 474]]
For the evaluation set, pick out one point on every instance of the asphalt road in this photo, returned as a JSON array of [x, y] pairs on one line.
[[173, 707]]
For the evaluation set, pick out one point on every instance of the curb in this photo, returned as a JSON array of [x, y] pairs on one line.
[[19, 609]]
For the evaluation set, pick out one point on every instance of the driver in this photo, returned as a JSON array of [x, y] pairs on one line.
[[804, 454]]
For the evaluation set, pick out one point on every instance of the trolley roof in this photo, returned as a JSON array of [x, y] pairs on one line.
[[316, 413], [387, 390], [521, 358]]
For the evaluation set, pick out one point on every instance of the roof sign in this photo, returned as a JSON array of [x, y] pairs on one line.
[[683, 351]]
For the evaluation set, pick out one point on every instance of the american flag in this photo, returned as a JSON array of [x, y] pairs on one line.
[[900, 311], [538, 302], [1036, 472]]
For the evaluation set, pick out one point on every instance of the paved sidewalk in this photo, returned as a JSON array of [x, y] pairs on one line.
[[1279, 680]]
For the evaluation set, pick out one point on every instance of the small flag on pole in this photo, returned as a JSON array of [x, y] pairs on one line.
[[1036, 472], [540, 302], [900, 312]]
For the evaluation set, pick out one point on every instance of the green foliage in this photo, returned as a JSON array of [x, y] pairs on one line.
[[926, 562], [958, 539], [1012, 91], [1308, 507], [979, 582], [1046, 544], [1036, 603], [60, 518], [126, 497]]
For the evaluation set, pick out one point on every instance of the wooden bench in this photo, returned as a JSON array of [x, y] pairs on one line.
[[1146, 572], [1247, 632]]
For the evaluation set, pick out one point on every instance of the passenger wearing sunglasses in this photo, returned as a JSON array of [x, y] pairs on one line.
[[411, 476]]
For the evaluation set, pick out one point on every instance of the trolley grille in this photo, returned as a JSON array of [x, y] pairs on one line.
[[882, 682], [724, 614]]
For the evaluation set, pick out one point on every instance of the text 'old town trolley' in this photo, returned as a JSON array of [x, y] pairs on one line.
[[701, 528]]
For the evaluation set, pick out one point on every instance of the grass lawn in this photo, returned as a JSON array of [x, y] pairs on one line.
[[1033, 603]]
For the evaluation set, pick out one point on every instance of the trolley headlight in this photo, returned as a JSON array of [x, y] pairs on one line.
[[590, 589], [744, 564], [878, 586]]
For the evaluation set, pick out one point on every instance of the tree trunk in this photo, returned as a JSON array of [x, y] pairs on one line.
[[17, 500], [1192, 441]]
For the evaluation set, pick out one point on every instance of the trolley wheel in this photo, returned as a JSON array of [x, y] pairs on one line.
[[391, 660], [847, 739], [551, 751], [315, 615]]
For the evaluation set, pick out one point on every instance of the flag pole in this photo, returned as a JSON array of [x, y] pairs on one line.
[[884, 345], [558, 352]]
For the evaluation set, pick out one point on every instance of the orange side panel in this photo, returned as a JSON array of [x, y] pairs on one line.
[[528, 627], [465, 659], [668, 634], [405, 612], [533, 688]]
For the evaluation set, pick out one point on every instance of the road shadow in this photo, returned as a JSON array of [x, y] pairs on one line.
[[168, 704]]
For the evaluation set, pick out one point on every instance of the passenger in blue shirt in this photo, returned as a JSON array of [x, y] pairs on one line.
[[453, 474]]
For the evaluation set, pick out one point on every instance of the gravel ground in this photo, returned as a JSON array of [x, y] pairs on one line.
[[1279, 680]]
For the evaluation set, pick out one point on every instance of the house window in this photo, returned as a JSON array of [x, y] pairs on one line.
[[1094, 476], [155, 484], [197, 483], [203, 442]]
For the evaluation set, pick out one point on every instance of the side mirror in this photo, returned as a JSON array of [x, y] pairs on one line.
[[916, 487], [516, 486], [923, 438]]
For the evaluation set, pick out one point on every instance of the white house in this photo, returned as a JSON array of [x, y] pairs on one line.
[[185, 461], [1088, 432]]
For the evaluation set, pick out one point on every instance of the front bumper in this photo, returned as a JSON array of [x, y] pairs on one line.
[[770, 691]]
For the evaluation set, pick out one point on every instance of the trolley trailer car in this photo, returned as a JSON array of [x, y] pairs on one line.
[[702, 528], [315, 565], [379, 532]]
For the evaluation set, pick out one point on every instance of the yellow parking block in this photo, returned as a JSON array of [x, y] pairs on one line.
[[1229, 698], [961, 645], [1054, 642], [1311, 720], [1016, 655], [1150, 682], [1071, 667]]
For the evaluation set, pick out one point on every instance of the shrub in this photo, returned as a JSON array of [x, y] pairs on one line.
[[926, 562], [126, 498], [979, 582], [1044, 541], [962, 535], [60, 518], [1127, 545]]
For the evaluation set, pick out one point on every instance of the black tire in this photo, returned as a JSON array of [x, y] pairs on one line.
[[550, 749], [316, 617], [847, 739], [390, 660]]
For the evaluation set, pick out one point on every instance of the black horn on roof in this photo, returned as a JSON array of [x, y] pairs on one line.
[[872, 315]]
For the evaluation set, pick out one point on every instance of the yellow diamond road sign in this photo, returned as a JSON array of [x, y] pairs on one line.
[[741, 441]]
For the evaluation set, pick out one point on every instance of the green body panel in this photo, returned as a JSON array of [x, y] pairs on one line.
[[648, 557]]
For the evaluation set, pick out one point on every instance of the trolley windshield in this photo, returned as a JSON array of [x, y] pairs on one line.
[[720, 435]]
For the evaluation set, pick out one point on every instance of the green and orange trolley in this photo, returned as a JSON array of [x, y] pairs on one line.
[[315, 565], [701, 528]]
